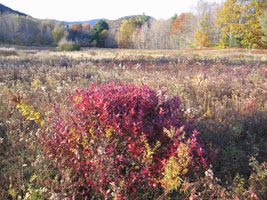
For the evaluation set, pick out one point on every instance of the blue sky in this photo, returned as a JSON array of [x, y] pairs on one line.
[[81, 10]]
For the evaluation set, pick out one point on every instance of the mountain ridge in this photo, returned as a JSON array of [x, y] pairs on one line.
[[5, 9], [91, 21]]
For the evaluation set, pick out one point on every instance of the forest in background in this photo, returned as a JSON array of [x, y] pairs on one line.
[[234, 23]]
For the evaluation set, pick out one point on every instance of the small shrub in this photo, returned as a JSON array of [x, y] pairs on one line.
[[115, 139], [210, 187], [65, 45], [92, 53], [258, 179]]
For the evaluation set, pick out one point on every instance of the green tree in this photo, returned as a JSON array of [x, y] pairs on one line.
[[99, 30], [263, 23], [58, 33], [140, 19]]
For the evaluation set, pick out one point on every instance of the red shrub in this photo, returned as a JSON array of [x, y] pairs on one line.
[[104, 138]]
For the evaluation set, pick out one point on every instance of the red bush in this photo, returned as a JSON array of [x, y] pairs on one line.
[[105, 136]]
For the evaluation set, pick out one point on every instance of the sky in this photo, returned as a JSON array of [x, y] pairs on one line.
[[82, 10]]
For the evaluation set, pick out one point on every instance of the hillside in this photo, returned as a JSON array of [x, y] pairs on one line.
[[91, 22], [112, 23], [117, 23], [4, 9]]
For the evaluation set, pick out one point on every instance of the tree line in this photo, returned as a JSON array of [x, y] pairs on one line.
[[234, 23]]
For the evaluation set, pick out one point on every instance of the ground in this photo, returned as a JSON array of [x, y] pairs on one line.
[[223, 91]]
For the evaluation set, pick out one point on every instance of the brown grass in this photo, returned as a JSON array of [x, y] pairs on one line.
[[223, 91], [5, 52]]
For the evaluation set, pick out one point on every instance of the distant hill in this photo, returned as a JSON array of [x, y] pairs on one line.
[[115, 24], [21, 33], [4, 9], [91, 22]]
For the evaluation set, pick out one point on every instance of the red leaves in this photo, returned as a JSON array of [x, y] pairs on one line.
[[179, 24], [103, 132], [134, 191], [135, 151], [131, 147], [251, 104]]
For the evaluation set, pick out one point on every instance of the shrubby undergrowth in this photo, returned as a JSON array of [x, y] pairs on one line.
[[124, 140], [224, 95], [65, 45]]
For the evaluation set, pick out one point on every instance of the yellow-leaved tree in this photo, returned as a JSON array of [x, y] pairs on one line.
[[239, 22], [127, 28]]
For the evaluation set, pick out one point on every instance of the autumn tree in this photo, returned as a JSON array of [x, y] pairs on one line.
[[76, 27], [207, 33], [173, 18], [239, 21], [229, 22], [155, 34], [180, 23], [128, 29], [184, 27], [251, 36], [202, 38], [86, 26], [75, 32]]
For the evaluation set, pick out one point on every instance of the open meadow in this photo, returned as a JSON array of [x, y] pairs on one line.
[[223, 95]]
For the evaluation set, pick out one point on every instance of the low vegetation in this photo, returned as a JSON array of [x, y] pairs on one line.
[[231, 23], [152, 124], [65, 45]]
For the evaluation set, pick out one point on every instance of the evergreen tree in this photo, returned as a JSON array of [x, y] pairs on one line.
[[99, 30], [173, 18]]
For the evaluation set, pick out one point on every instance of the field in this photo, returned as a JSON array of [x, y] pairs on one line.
[[223, 91]]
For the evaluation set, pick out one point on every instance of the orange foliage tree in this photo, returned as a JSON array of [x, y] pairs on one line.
[[183, 29], [181, 23], [76, 27], [202, 38], [86, 26]]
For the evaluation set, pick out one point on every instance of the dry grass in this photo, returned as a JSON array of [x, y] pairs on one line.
[[224, 91], [5, 52]]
